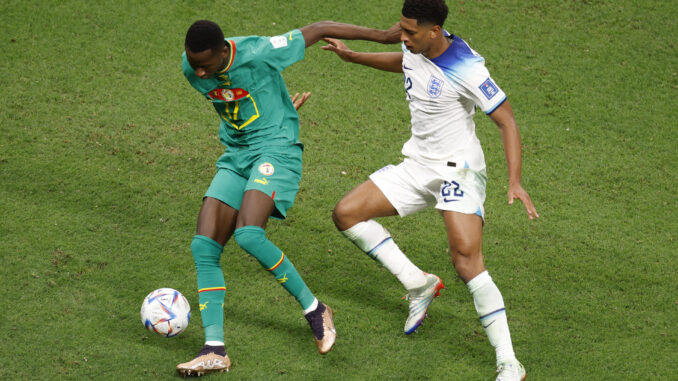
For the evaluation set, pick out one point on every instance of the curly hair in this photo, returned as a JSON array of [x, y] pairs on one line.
[[426, 11], [203, 35]]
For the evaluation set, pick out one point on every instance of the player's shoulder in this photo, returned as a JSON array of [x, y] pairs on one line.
[[254, 43], [460, 61], [459, 54], [244, 40]]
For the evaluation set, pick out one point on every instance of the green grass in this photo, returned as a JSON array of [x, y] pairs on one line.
[[105, 152]]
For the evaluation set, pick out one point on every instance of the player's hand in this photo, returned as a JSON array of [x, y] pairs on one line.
[[392, 34], [337, 46], [517, 192], [298, 102]]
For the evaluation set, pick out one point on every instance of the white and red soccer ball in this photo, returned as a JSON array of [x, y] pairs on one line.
[[166, 312]]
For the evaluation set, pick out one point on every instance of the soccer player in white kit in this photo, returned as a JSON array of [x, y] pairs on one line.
[[445, 80]]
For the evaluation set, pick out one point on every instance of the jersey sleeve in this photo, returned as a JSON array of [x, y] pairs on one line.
[[283, 50], [481, 88]]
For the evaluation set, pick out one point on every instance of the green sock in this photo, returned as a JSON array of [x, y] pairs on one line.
[[211, 286], [253, 240]]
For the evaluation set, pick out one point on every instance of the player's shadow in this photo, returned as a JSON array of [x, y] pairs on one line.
[[268, 321]]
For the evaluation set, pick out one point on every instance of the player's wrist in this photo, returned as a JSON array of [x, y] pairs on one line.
[[384, 36], [515, 183]]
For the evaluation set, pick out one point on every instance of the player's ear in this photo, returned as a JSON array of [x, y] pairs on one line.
[[435, 31]]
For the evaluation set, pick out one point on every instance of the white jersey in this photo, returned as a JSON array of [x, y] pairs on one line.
[[443, 94]]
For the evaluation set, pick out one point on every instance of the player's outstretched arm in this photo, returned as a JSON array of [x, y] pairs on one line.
[[322, 29], [504, 119], [392, 34], [387, 61]]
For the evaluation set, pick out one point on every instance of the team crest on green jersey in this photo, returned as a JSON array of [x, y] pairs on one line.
[[228, 95]]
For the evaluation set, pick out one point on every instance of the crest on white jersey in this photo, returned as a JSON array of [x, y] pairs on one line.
[[435, 86]]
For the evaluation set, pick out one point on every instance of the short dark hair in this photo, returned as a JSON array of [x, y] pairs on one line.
[[426, 11], [203, 35]]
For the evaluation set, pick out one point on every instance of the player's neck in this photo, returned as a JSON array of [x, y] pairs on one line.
[[227, 53], [438, 47]]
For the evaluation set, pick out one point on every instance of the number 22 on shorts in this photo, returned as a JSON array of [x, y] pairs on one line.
[[450, 190]]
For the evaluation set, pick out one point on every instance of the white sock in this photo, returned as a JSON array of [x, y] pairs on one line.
[[214, 343], [376, 241], [490, 307], [312, 307]]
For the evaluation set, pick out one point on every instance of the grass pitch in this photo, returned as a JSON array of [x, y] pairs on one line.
[[105, 152]]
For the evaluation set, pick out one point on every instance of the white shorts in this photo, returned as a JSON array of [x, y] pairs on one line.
[[411, 187]]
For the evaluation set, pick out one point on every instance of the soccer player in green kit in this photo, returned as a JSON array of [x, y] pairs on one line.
[[258, 175]]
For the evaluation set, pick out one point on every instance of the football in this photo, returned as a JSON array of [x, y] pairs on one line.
[[166, 312]]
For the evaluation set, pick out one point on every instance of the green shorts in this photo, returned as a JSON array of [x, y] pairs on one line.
[[275, 171]]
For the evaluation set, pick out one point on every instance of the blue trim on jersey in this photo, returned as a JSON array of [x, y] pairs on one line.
[[490, 111], [457, 58]]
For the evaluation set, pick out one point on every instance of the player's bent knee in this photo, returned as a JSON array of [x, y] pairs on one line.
[[345, 215], [206, 252], [468, 264], [463, 256], [249, 238], [339, 216]]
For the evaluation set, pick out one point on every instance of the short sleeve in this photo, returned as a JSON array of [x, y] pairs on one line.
[[465, 68], [482, 89], [283, 50]]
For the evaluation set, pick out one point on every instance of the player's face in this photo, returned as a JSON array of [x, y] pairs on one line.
[[207, 62], [417, 38]]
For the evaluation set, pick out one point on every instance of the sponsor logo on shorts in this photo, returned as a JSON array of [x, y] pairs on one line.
[[435, 87], [263, 181], [266, 169]]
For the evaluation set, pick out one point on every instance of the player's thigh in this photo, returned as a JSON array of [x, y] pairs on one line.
[[464, 234], [364, 202], [255, 209], [221, 203], [216, 220]]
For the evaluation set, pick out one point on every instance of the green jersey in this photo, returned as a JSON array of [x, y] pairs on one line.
[[249, 94]]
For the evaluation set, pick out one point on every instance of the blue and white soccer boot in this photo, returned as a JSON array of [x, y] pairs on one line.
[[511, 371], [420, 298]]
